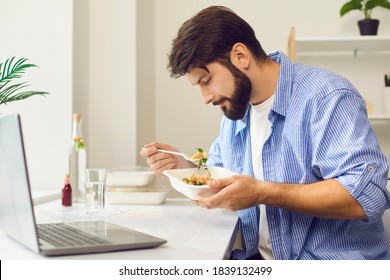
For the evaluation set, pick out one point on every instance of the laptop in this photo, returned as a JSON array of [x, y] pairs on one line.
[[17, 217]]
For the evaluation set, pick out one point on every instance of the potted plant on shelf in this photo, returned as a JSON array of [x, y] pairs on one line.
[[9, 71], [368, 25]]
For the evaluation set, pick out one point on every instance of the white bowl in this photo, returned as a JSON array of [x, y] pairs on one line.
[[176, 177], [129, 177]]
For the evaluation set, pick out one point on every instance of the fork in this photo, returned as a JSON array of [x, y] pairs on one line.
[[187, 157]]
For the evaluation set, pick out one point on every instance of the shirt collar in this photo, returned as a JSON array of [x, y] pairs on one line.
[[285, 79], [244, 122]]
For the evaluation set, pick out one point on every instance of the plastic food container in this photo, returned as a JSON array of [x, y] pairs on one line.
[[129, 177], [176, 177]]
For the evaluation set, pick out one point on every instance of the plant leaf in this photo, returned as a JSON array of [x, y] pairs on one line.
[[10, 70], [350, 6], [385, 4], [371, 4], [21, 96]]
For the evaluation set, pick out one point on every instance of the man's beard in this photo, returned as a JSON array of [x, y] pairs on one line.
[[241, 95]]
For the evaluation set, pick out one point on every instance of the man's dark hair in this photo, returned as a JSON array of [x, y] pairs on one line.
[[209, 37]]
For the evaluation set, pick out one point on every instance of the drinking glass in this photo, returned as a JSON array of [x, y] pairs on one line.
[[95, 181]]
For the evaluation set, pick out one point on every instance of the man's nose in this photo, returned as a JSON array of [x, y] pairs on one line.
[[207, 97]]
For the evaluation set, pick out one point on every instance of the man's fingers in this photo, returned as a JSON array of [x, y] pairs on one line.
[[220, 183]]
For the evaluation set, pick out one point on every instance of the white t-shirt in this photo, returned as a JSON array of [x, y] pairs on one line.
[[260, 130]]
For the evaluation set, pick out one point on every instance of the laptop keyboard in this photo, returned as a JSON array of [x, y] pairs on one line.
[[62, 235]]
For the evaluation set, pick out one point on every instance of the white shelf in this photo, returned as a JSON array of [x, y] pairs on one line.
[[353, 45], [345, 45], [379, 117]]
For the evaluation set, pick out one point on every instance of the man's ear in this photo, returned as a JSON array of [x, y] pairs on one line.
[[239, 56]]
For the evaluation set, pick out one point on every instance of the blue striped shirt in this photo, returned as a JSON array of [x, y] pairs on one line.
[[320, 130]]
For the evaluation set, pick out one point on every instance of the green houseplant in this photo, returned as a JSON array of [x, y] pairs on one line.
[[368, 25], [10, 90]]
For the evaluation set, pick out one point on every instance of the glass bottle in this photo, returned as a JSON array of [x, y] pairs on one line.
[[67, 192], [77, 160]]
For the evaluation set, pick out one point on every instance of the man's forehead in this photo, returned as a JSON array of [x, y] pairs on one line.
[[196, 74]]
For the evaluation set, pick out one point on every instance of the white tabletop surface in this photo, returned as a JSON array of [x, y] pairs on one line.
[[192, 232]]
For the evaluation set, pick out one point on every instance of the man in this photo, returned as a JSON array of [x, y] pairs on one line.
[[313, 178]]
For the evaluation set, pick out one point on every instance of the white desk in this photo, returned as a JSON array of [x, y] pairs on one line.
[[192, 232]]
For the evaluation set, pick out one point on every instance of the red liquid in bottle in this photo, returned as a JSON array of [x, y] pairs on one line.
[[67, 192]]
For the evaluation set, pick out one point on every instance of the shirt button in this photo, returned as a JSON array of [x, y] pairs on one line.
[[371, 168]]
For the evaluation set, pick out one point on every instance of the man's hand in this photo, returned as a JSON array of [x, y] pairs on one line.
[[158, 162], [236, 192]]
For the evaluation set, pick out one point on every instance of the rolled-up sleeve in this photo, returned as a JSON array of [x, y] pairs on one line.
[[345, 148]]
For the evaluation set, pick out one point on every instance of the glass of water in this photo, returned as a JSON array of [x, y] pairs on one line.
[[95, 181]]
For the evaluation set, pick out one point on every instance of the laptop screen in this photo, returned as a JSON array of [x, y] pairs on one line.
[[16, 214]]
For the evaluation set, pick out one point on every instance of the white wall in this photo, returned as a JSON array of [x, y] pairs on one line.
[[41, 31], [105, 92], [146, 65], [182, 120]]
